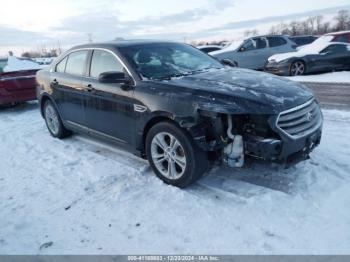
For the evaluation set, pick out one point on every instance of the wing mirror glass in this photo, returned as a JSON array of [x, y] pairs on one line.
[[113, 78]]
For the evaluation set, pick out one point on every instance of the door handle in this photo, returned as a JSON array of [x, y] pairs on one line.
[[89, 88], [54, 83]]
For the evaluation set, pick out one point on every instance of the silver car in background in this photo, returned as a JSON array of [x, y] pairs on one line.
[[253, 52]]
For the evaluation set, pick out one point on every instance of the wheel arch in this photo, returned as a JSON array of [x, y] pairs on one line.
[[160, 116], [298, 59], [45, 97]]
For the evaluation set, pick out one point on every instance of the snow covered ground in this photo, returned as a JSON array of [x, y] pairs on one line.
[[335, 77], [80, 196]]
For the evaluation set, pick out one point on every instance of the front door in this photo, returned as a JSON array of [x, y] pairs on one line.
[[334, 57], [109, 110]]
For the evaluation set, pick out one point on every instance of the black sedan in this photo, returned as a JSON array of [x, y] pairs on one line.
[[177, 107], [313, 58]]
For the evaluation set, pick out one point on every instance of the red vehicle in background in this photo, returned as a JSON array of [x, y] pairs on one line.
[[343, 36], [17, 80]]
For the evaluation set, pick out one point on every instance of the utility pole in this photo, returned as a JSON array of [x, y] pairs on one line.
[[90, 37]]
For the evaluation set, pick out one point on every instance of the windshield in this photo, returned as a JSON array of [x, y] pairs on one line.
[[166, 60]]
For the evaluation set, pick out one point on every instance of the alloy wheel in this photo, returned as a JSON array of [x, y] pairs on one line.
[[297, 69], [168, 155]]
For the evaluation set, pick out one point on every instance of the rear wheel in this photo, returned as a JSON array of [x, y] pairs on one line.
[[173, 156], [297, 68], [54, 122]]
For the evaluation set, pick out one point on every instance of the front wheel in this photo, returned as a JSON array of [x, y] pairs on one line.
[[297, 68], [173, 156]]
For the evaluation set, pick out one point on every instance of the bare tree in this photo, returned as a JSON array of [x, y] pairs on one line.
[[249, 33], [312, 23], [319, 20], [343, 19], [325, 28]]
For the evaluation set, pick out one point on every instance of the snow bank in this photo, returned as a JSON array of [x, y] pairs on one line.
[[16, 64], [334, 77], [85, 197]]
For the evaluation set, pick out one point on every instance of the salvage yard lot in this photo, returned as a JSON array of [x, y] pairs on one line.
[[80, 196]]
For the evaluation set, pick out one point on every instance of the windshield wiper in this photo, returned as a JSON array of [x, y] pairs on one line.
[[203, 70], [169, 77]]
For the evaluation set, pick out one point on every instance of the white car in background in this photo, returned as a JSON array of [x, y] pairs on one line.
[[253, 52]]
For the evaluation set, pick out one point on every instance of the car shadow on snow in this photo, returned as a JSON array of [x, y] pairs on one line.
[[32, 105], [254, 180]]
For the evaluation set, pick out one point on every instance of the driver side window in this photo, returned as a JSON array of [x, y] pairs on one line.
[[103, 61], [247, 46]]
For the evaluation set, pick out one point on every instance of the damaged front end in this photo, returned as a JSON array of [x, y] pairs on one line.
[[286, 138]]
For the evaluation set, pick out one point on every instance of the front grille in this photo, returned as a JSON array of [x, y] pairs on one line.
[[301, 120]]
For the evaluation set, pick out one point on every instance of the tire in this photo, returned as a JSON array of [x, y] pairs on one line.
[[53, 121], [297, 68], [180, 165]]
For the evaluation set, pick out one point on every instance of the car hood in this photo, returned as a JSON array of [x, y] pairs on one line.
[[234, 90]]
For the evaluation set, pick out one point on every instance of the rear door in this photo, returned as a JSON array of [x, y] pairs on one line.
[[66, 83], [279, 45], [109, 108]]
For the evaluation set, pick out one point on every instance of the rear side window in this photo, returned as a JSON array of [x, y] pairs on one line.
[[76, 63], [260, 43], [61, 66], [335, 49], [276, 41], [341, 38], [102, 62]]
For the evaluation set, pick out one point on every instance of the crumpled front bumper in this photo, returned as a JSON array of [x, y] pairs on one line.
[[283, 150], [286, 147]]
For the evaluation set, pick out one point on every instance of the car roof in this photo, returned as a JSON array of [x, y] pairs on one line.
[[301, 36], [121, 43], [267, 36]]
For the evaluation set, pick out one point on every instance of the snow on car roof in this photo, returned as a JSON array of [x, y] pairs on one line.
[[17, 64], [232, 46]]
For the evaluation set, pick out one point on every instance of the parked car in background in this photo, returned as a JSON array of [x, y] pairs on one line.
[[178, 107], [44, 60], [253, 52], [17, 80], [343, 36], [316, 57], [209, 48], [303, 40]]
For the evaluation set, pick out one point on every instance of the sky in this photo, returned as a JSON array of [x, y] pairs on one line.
[[29, 25]]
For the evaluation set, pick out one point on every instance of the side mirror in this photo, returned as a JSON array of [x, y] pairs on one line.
[[228, 62], [113, 78], [242, 49]]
